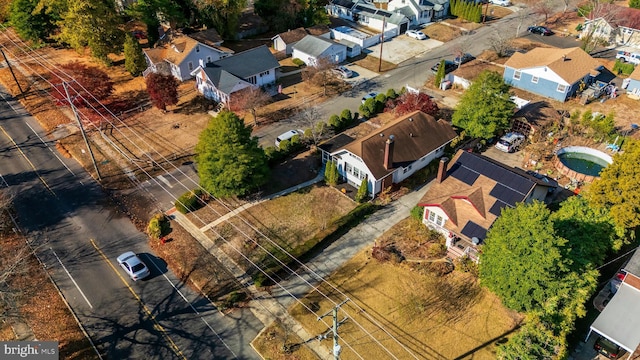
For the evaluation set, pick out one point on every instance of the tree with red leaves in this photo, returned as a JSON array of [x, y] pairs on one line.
[[162, 89], [410, 102], [91, 84]]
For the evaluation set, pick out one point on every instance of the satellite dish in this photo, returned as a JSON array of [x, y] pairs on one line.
[[475, 240]]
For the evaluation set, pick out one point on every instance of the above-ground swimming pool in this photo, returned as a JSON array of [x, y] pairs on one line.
[[581, 163]]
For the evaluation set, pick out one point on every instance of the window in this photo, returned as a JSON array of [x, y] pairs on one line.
[[208, 59], [197, 48], [562, 88], [405, 170], [517, 74], [264, 73], [534, 79], [439, 220], [252, 79], [432, 216], [190, 65]]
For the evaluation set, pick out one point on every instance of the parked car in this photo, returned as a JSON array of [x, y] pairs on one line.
[[465, 58], [416, 34], [343, 71], [449, 66], [370, 95], [287, 136], [133, 266], [540, 30], [608, 348], [616, 281], [510, 142], [553, 184], [501, 2], [627, 56]]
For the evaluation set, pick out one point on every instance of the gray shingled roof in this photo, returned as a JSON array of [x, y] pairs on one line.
[[397, 19], [222, 79], [314, 45], [249, 62]]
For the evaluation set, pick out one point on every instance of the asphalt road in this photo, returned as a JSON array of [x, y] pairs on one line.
[[416, 71], [79, 234]]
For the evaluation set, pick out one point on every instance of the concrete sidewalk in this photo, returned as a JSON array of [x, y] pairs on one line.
[[268, 307]]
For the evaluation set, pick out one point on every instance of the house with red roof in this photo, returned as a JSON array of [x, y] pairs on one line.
[[614, 24]]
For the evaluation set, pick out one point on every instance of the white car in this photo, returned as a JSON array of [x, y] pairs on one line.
[[510, 142], [501, 2], [416, 34], [288, 135], [343, 71], [133, 266]]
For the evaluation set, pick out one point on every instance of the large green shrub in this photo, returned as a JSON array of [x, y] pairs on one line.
[[159, 226], [363, 189], [297, 62], [623, 68], [190, 201], [331, 174]]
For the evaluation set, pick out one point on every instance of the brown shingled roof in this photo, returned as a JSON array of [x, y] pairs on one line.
[[415, 135], [294, 35], [208, 37], [318, 30], [174, 51], [463, 202], [570, 64], [635, 75]]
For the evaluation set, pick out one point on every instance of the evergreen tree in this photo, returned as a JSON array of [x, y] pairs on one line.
[[363, 189], [331, 175], [453, 7], [485, 107], [94, 24], [440, 74], [230, 161], [134, 60]]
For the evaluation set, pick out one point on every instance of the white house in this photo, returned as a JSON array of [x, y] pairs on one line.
[[396, 14], [390, 154], [313, 48], [251, 68], [614, 24], [179, 55]]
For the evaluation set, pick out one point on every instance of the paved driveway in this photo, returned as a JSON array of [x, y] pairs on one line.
[[556, 40], [401, 48], [509, 159]]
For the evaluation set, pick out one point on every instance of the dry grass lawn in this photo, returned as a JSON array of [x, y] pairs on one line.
[[289, 220], [275, 342], [441, 32], [434, 317]]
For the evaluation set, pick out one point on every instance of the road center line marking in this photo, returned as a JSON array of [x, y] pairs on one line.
[[156, 324], [164, 180], [71, 277], [29, 161]]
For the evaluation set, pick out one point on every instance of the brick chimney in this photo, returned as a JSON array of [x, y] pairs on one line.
[[388, 153], [442, 169]]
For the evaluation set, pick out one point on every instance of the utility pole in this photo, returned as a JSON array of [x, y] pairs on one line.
[[336, 324], [84, 136], [12, 74], [384, 24]]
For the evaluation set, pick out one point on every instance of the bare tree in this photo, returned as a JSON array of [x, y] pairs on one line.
[[500, 43], [543, 7], [566, 4], [314, 125], [320, 73], [598, 15], [249, 99]]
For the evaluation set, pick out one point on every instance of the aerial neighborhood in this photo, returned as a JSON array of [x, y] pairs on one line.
[[347, 179]]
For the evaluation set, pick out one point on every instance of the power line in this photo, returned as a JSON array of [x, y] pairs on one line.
[[320, 278]]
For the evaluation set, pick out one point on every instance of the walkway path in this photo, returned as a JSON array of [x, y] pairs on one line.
[[271, 306]]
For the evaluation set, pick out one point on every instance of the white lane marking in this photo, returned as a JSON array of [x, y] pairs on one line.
[[70, 277], [164, 180], [194, 309], [50, 149], [17, 113]]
